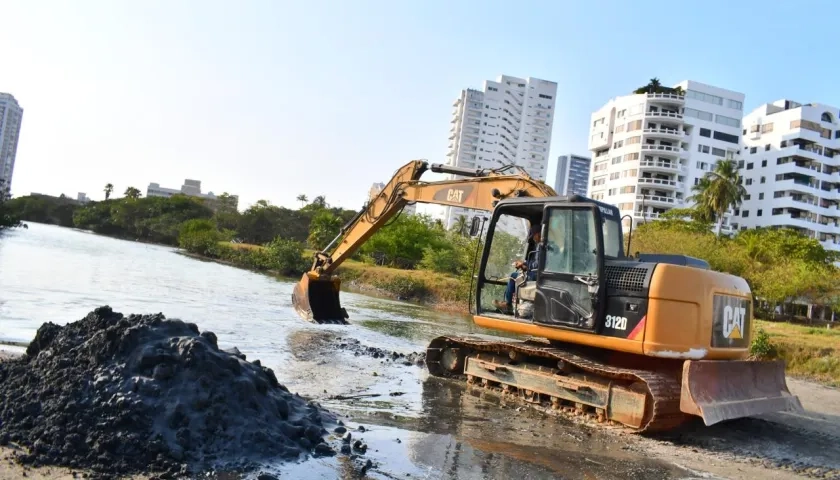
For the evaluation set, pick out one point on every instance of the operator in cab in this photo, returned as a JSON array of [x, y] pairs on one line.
[[529, 267]]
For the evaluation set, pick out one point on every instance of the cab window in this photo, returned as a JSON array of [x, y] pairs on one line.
[[571, 242]]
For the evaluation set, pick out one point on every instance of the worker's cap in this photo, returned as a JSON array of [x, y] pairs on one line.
[[535, 229]]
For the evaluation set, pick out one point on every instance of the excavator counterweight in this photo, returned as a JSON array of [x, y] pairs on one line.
[[645, 341]]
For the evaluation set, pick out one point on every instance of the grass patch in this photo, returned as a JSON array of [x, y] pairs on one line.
[[242, 246], [809, 352]]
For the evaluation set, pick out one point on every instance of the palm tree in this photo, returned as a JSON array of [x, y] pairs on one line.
[[719, 191], [132, 193], [654, 85], [302, 199], [109, 187], [460, 225]]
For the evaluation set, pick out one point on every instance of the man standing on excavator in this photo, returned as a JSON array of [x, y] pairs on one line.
[[529, 267]]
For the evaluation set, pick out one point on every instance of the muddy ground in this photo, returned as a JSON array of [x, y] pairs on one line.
[[418, 426]]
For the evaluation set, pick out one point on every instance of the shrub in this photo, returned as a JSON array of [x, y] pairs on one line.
[[199, 236], [761, 347], [287, 256]]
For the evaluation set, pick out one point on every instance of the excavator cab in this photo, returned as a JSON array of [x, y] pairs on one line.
[[563, 285]]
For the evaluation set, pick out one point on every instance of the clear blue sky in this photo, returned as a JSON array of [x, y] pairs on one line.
[[270, 99]]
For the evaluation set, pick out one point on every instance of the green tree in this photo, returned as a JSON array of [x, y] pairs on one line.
[[461, 225], [404, 240], [720, 190], [302, 199], [8, 219], [109, 188], [132, 193], [325, 226]]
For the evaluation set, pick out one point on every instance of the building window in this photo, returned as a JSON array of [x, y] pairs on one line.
[[618, 144], [745, 213], [690, 112], [633, 140], [718, 152], [778, 211], [753, 149], [703, 148], [758, 213], [634, 125], [761, 196], [740, 164], [704, 97], [734, 104], [747, 197], [763, 179], [749, 182], [545, 96], [619, 129], [631, 156], [767, 148], [724, 120], [726, 137], [767, 128], [705, 132], [749, 166]]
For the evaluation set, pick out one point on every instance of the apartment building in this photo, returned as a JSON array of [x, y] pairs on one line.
[[572, 176], [507, 122], [11, 116], [791, 170], [650, 148], [190, 188]]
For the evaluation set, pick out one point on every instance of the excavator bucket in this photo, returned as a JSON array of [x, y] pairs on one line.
[[316, 299], [723, 390]]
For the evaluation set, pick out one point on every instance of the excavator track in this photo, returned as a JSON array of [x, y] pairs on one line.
[[642, 400]]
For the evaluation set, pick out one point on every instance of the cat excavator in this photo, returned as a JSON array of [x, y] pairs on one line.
[[645, 341]]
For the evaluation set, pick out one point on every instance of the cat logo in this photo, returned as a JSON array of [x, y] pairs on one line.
[[458, 195], [733, 322], [454, 195]]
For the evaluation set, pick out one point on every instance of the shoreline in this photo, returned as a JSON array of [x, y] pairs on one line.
[[353, 285]]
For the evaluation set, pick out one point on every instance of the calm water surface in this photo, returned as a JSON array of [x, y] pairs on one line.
[[54, 274]]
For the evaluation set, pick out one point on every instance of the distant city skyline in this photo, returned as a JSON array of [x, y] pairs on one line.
[[130, 93]]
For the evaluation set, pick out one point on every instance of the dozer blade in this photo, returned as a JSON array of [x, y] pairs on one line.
[[719, 390], [316, 299]]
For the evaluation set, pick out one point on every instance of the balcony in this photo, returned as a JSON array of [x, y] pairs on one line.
[[661, 114], [799, 185], [647, 215], [667, 97], [663, 132], [666, 150], [660, 182], [652, 199], [659, 165]]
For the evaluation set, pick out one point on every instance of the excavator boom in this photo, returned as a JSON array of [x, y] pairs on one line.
[[316, 296]]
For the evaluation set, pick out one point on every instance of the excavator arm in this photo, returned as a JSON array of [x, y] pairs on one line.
[[315, 297]]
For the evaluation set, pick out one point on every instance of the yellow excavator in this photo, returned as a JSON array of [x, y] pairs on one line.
[[645, 341]]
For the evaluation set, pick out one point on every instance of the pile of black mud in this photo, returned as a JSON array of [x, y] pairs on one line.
[[143, 394], [353, 345]]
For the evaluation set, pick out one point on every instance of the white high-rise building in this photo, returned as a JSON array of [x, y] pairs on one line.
[[572, 175], [650, 149], [10, 119], [791, 170], [508, 122]]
